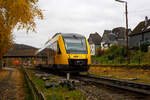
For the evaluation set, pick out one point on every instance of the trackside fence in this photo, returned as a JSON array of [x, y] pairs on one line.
[[37, 95]]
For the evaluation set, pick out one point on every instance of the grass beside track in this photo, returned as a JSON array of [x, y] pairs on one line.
[[27, 91], [61, 93], [130, 74], [28, 94]]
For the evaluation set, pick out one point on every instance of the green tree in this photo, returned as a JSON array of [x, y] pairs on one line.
[[144, 46], [116, 51]]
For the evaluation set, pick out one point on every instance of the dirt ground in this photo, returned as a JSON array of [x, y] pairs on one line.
[[129, 74], [11, 82]]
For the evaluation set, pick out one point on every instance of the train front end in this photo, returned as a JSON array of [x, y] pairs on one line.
[[78, 53]]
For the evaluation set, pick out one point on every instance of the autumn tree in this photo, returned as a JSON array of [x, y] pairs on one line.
[[18, 14]]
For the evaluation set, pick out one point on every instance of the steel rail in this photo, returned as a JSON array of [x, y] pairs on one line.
[[121, 84]]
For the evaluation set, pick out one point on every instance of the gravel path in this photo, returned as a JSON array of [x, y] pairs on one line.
[[106, 93], [11, 85]]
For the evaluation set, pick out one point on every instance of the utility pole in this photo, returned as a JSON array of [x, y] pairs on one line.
[[127, 40]]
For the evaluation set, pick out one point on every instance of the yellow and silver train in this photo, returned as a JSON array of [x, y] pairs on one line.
[[68, 52]]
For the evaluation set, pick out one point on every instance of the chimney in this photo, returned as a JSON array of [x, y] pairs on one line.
[[146, 21]]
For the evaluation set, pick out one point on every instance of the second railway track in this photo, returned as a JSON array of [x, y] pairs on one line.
[[140, 88]]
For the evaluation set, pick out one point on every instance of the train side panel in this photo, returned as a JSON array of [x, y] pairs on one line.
[[61, 57], [89, 54]]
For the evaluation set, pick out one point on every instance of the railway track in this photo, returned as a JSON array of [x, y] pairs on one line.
[[139, 88], [96, 87], [121, 84]]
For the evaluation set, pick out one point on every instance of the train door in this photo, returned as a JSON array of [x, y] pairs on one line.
[[51, 54], [58, 54], [54, 53]]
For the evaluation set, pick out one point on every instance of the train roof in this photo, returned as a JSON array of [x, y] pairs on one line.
[[69, 35]]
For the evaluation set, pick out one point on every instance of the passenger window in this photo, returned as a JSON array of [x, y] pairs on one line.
[[58, 49]]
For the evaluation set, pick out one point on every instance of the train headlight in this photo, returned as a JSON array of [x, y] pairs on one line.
[[68, 56]]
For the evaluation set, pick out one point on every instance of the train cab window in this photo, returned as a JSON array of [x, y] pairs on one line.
[[75, 45], [58, 49]]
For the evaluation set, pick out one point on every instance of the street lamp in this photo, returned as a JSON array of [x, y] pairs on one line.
[[127, 41]]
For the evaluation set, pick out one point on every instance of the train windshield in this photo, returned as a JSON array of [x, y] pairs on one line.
[[75, 45]]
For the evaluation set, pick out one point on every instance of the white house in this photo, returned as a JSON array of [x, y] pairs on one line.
[[94, 42]]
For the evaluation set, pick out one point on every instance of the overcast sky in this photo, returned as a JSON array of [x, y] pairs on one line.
[[82, 16]]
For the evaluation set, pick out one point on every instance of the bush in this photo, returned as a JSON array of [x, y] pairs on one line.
[[110, 57], [99, 51], [116, 51], [117, 55], [144, 46], [112, 53]]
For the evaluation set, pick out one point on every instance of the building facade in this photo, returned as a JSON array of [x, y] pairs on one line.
[[114, 36], [140, 34], [20, 54], [94, 42]]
